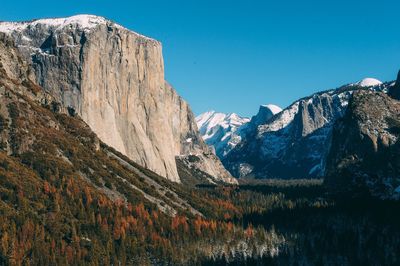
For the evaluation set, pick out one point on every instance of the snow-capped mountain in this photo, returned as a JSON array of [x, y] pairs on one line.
[[224, 131], [219, 130], [294, 142]]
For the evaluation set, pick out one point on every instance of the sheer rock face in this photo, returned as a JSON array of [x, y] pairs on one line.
[[114, 79], [365, 151]]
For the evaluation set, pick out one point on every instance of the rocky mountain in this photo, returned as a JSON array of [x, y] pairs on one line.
[[294, 143], [224, 131], [364, 154], [265, 113], [113, 79], [218, 130], [35, 135]]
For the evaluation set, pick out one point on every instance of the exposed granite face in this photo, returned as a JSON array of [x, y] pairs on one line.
[[365, 153], [16, 84], [114, 79], [265, 113], [18, 74]]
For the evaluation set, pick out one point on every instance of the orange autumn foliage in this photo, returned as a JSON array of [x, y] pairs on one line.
[[88, 196], [249, 232], [226, 205], [180, 222]]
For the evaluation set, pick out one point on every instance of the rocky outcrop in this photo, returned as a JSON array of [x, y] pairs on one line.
[[265, 113], [114, 79], [365, 153]]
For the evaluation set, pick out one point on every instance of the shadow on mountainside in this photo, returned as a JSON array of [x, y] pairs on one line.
[[319, 229]]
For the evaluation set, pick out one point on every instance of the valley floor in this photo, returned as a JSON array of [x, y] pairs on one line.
[[318, 229]]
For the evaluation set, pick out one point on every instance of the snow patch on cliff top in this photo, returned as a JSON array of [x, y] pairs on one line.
[[369, 82], [84, 22], [273, 108]]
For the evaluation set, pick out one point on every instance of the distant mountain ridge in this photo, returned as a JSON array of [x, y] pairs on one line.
[[219, 130], [294, 142], [224, 131]]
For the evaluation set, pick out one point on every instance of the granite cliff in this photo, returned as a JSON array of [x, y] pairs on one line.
[[113, 79]]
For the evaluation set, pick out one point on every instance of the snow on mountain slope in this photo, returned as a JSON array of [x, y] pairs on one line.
[[294, 142], [82, 22], [369, 82], [274, 108], [85, 21], [218, 130], [224, 131]]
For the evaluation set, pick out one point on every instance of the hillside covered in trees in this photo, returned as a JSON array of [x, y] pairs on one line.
[[67, 198]]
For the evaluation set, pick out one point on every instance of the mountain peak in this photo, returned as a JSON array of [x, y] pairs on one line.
[[369, 82], [272, 107], [266, 112]]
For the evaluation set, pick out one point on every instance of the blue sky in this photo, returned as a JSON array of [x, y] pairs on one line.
[[232, 56]]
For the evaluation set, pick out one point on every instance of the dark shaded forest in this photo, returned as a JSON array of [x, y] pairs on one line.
[[318, 229]]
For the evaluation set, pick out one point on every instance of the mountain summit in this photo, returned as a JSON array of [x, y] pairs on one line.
[[265, 112]]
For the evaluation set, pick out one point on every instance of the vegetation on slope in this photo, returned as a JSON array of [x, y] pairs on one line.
[[67, 198], [318, 229]]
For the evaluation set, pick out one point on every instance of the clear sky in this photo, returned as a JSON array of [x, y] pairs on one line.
[[232, 56]]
